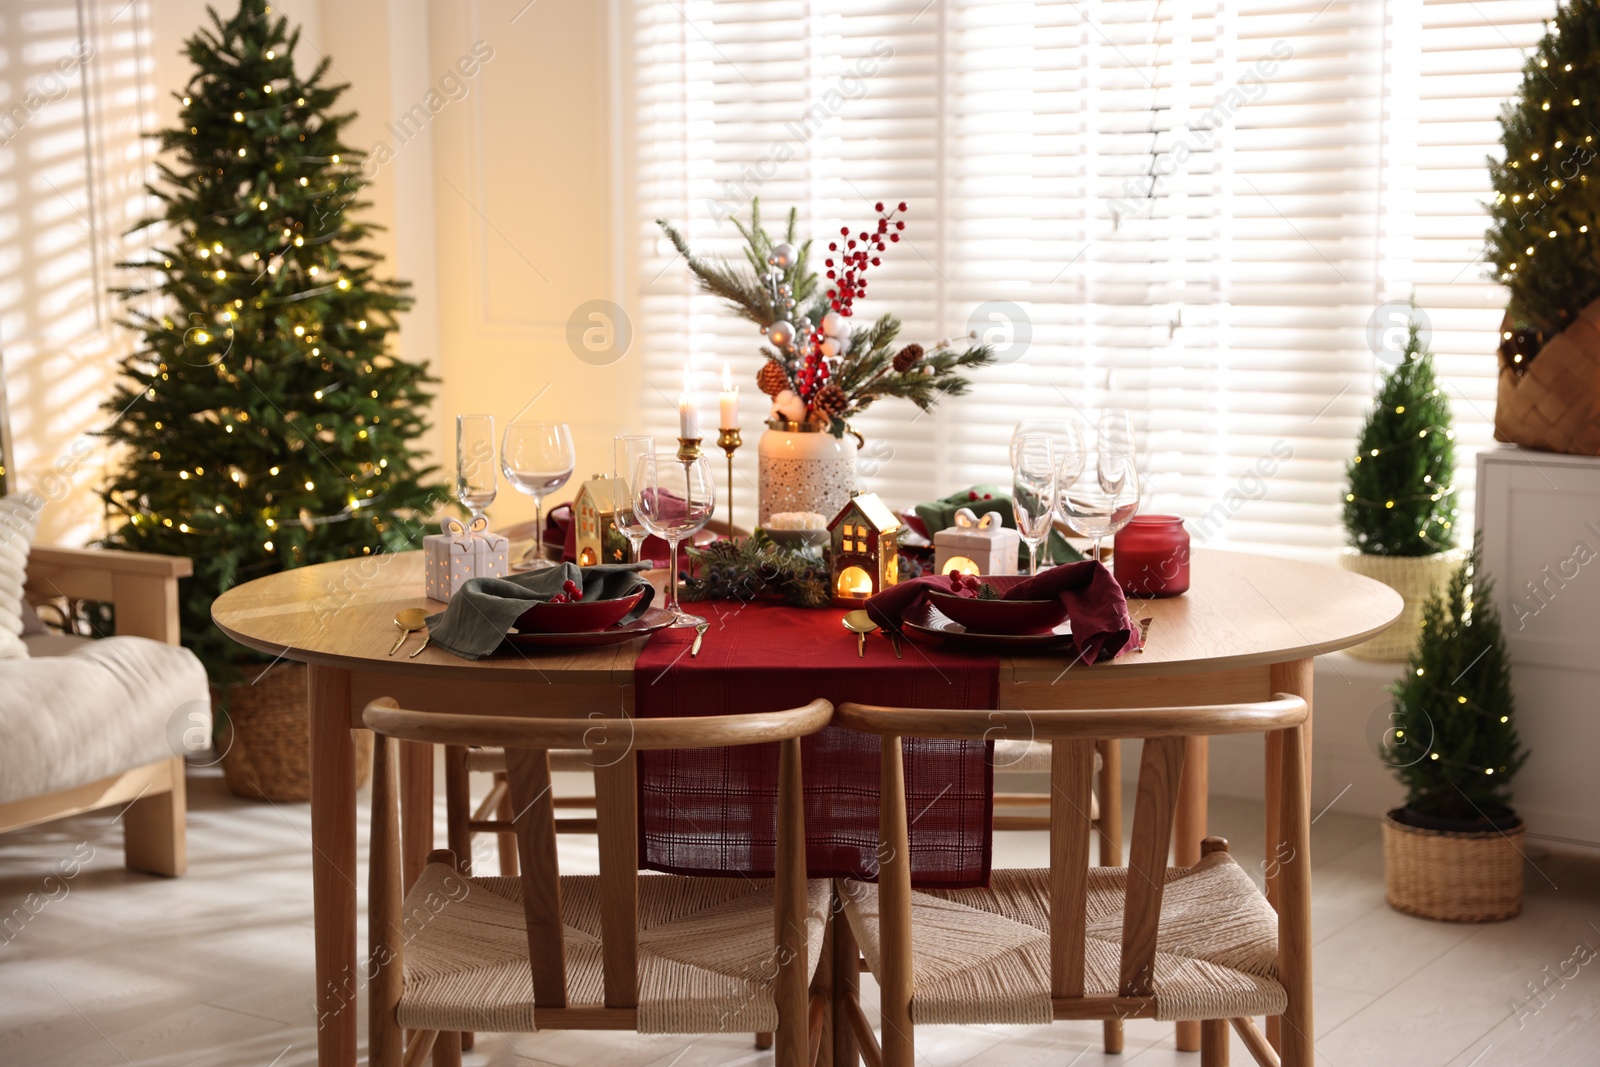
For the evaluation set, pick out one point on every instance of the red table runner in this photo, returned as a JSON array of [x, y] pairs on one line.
[[714, 811]]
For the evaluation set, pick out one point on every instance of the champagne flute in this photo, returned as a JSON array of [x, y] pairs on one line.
[[674, 498], [629, 447], [1033, 491], [537, 458], [1092, 509], [1066, 434], [475, 475]]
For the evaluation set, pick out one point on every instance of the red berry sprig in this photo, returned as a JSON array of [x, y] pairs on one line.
[[572, 590], [848, 275]]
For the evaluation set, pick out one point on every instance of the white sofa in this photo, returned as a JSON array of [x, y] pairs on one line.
[[88, 724]]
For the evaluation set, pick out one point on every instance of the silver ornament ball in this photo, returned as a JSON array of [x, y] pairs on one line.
[[783, 255], [781, 333]]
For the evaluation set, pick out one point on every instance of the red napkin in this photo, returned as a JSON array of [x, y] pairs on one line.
[[1095, 604]]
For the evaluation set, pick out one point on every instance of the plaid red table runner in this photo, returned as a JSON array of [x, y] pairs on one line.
[[714, 811]]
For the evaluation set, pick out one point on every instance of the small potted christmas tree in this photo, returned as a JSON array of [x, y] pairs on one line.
[[1399, 501], [263, 421], [1454, 850], [1544, 243]]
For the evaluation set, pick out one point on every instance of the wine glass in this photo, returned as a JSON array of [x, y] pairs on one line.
[[674, 498], [537, 459], [1066, 436], [1033, 491], [1114, 437], [1103, 497], [475, 475], [629, 447]]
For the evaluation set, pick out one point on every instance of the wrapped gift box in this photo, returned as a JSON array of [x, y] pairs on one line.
[[462, 552], [976, 544]]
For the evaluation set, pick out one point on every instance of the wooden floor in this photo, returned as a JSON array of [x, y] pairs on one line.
[[110, 968]]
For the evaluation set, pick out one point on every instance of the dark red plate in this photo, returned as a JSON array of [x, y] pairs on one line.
[[585, 616], [1007, 617], [652, 620], [930, 623]]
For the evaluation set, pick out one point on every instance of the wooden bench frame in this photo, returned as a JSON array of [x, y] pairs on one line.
[[143, 588]]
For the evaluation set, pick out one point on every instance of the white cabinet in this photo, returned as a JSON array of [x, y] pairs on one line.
[[1539, 515]]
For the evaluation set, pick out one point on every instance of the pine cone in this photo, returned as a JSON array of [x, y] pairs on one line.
[[772, 378], [830, 402], [907, 357]]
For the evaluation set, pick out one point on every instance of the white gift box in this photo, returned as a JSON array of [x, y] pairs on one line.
[[976, 545], [462, 552]]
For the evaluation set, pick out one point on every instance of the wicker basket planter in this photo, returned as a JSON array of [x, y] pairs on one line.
[[1415, 578], [1454, 876], [267, 740], [1552, 401]]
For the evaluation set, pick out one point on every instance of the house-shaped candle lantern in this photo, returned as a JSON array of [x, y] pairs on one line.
[[866, 550], [594, 511], [976, 545]]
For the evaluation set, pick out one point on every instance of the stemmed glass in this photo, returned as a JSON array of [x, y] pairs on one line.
[[537, 459], [1103, 496], [628, 450], [475, 476], [1033, 491], [674, 498]]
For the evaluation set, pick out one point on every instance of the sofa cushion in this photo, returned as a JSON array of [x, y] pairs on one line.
[[19, 519], [98, 709]]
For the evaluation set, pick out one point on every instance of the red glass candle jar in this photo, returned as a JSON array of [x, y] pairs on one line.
[[1152, 556]]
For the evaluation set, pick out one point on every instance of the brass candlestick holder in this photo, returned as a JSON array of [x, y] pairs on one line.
[[729, 441], [688, 449]]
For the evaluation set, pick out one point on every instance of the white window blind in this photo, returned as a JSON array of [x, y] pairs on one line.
[[1197, 205]]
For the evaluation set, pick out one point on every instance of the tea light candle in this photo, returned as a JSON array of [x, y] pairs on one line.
[[1152, 556], [728, 401], [688, 415]]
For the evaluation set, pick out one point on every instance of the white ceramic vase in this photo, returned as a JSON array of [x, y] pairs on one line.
[[805, 468]]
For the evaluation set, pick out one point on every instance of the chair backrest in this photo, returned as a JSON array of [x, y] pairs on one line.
[[615, 743], [1073, 734]]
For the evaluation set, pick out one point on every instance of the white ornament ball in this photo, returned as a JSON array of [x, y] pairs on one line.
[[836, 325], [783, 255], [781, 333], [829, 346], [788, 405]]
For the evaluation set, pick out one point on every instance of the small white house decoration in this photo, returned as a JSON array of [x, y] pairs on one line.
[[976, 545], [865, 556], [462, 552], [594, 510]]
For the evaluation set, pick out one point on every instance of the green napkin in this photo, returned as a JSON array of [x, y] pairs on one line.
[[484, 609], [940, 514]]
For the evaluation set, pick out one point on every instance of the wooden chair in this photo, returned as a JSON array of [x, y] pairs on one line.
[[655, 954], [1080, 942]]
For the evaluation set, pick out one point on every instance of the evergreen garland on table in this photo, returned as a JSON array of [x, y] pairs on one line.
[[263, 424], [1452, 741], [1544, 243], [748, 568], [1400, 497]]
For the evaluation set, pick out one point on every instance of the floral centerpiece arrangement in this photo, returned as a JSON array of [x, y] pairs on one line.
[[821, 368]]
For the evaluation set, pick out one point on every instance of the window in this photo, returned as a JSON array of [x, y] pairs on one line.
[[1189, 208]]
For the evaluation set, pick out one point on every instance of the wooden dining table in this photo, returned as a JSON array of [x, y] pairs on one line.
[[1248, 628]]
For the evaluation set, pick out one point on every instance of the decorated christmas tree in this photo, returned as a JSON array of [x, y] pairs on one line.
[[1452, 742], [264, 424], [1544, 242], [1400, 498]]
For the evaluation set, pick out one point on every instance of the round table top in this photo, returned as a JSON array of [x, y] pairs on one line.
[[1241, 610]]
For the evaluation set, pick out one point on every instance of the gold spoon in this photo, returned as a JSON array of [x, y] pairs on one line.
[[408, 620], [860, 623]]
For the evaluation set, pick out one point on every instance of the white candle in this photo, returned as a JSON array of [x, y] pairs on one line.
[[688, 416], [728, 400]]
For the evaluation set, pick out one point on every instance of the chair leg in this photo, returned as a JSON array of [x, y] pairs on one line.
[[764, 1040], [846, 964], [508, 842], [1108, 790], [1214, 1039], [153, 832], [447, 1050]]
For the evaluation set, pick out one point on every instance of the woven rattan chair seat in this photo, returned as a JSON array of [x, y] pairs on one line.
[[982, 956], [706, 955]]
